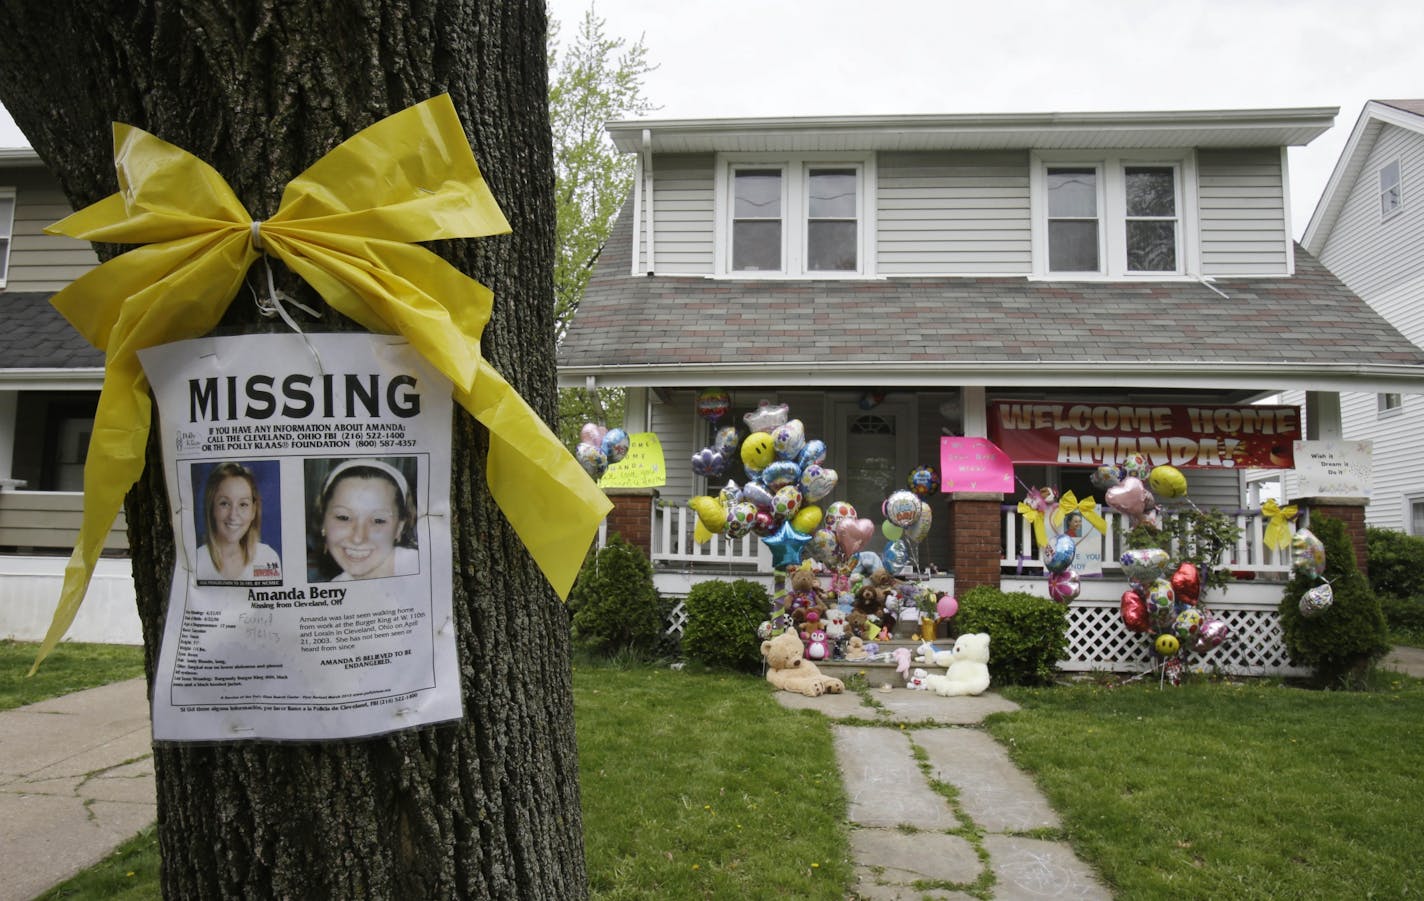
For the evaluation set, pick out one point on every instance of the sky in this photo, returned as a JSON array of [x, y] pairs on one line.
[[733, 58]]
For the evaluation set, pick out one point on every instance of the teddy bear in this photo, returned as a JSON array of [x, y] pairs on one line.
[[789, 670], [804, 594], [870, 600], [918, 681], [968, 668], [855, 648]]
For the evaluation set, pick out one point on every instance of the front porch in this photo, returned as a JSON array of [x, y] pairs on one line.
[[1097, 638]]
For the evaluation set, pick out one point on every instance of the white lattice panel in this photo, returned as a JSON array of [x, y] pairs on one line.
[[677, 620], [1098, 640]]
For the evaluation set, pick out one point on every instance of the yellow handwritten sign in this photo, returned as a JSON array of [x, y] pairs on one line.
[[643, 467]]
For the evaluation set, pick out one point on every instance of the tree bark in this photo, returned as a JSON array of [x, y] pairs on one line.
[[488, 806]]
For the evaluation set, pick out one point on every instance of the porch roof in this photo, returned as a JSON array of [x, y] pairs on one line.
[[1306, 331], [39, 350]]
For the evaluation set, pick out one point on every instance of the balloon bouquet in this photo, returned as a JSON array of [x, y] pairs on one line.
[[779, 502], [600, 447], [1167, 608]]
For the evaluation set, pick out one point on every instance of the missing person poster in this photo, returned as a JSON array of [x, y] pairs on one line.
[[309, 483]]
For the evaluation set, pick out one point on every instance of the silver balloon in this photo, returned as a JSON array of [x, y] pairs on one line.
[[1316, 600]]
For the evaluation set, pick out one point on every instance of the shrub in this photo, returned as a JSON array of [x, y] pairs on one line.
[[615, 607], [1028, 634], [1396, 564], [722, 619], [1342, 641]]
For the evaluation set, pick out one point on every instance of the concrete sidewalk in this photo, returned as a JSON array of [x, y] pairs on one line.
[[76, 780], [908, 841]]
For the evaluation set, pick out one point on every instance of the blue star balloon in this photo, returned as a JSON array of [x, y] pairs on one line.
[[786, 544]]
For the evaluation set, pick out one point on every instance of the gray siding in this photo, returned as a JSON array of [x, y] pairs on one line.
[[1379, 259], [964, 213], [40, 262], [684, 221], [1240, 198]]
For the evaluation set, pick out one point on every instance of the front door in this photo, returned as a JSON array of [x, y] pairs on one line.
[[873, 452]]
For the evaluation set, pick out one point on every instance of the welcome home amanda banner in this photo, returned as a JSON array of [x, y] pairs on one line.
[[1181, 435]]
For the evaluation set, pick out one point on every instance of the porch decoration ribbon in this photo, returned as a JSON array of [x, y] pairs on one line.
[[1277, 535], [1087, 508], [345, 225], [1035, 517]]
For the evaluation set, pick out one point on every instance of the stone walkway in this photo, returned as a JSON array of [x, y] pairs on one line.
[[76, 780], [909, 840]]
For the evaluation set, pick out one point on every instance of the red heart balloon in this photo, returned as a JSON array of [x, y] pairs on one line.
[[1186, 584], [1134, 611]]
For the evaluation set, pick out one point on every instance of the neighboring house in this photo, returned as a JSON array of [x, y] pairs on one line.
[[49, 386], [1368, 228], [892, 278]]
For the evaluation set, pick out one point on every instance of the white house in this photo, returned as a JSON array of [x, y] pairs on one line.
[[49, 386], [895, 279], [1368, 228]]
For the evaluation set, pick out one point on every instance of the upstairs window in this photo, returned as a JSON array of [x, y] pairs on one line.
[[7, 224], [1391, 200], [832, 220], [795, 216], [1073, 225], [1151, 214], [756, 220], [1112, 216], [1389, 404]]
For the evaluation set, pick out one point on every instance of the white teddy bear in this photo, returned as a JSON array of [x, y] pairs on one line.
[[918, 680], [968, 668]]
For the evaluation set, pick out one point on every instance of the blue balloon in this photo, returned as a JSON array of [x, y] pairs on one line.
[[615, 445], [813, 452], [1061, 556], [786, 545]]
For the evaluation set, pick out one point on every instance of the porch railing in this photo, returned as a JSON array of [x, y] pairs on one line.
[[1249, 554], [673, 544]]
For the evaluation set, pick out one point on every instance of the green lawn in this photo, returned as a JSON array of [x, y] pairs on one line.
[[699, 785], [1219, 790], [71, 667]]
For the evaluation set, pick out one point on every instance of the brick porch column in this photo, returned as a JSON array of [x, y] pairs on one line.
[[1350, 511], [632, 516], [975, 539]]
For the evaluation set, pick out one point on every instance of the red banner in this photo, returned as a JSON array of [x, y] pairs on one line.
[[1181, 435]]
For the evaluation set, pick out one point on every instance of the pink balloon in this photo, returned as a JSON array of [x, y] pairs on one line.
[[852, 534], [947, 606], [1129, 497], [593, 434]]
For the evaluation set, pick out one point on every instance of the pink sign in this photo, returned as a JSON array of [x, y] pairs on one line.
[[974, 464]]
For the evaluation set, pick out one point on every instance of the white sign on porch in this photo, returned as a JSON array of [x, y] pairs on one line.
[[309, 481], [1334, 468]]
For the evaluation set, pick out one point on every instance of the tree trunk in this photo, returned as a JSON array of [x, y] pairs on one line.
[[488, 806]]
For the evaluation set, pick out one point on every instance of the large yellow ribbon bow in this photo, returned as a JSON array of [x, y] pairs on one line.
[[1087, 508], [1035, 518], [345, 225], [1277, 535]]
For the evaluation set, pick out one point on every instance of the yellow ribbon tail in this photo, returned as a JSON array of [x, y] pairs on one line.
[[547, 497], [115, 461], [1036, 518]]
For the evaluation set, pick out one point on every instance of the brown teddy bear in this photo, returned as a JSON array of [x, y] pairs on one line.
[[789, 670], [804, 595]]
